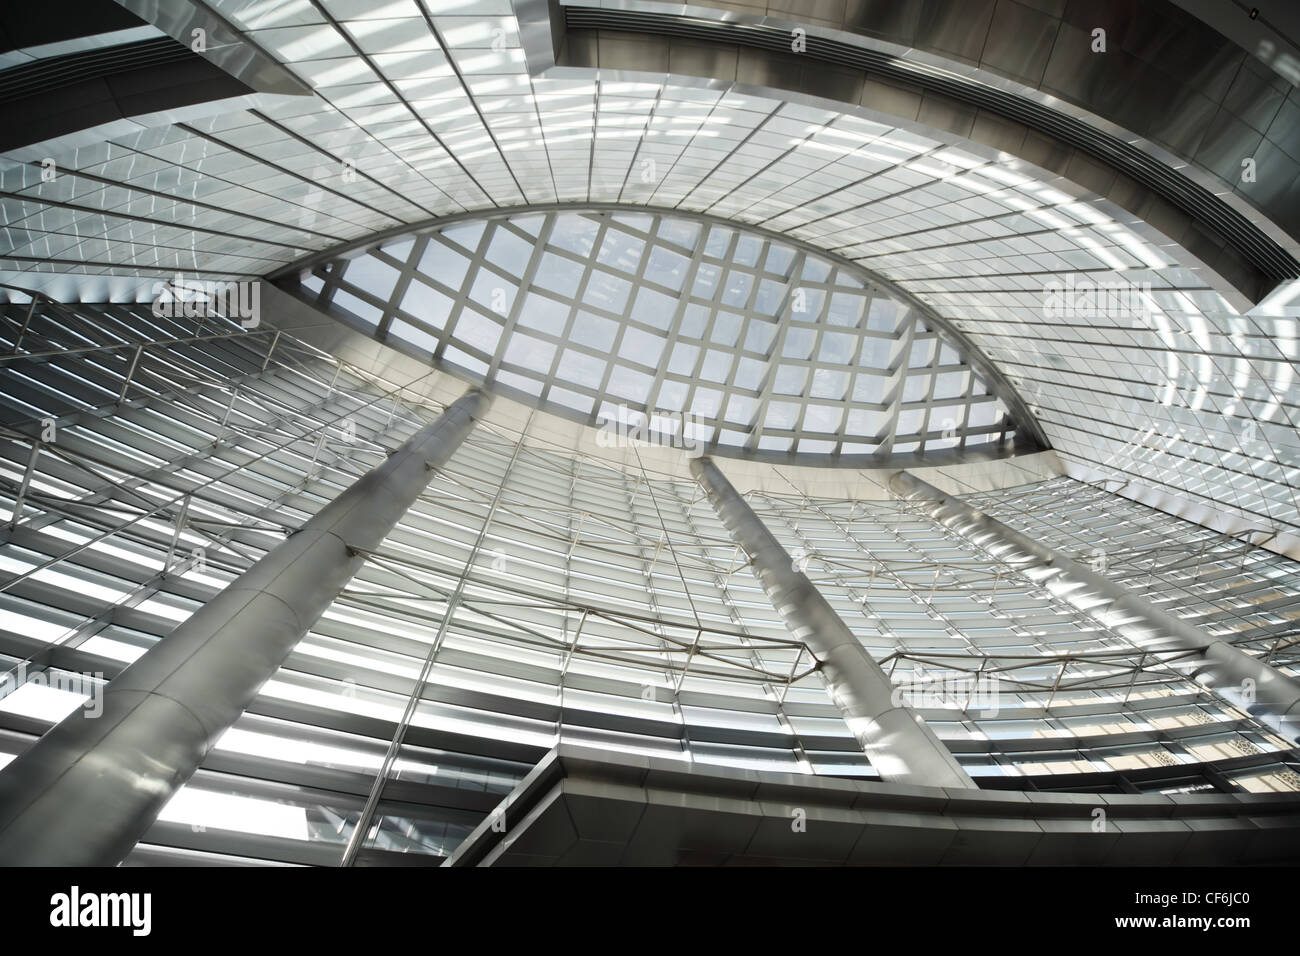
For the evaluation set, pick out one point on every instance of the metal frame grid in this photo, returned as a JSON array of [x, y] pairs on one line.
[[596, 605], [417, 115], [1072, 696], [1226, 584], [770, 349]]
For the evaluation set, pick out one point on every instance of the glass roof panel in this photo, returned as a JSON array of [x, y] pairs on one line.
[[426, 303], [620, 250], [544, 313], [444, 264], [509, 251], [478, 331], [679, 232], [575, 233], [559, 274], [593, 312], [666, 268], [607, 291], [641, 347], [374, 276]]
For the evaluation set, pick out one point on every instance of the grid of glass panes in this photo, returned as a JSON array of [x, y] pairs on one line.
[[604, 607], [725, 338], [439, 114], [997, 664], [1225, 584]]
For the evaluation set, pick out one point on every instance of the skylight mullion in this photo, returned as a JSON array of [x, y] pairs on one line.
[[674, 328]]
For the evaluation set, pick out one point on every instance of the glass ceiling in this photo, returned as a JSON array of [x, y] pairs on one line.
[[725, 338], [415, 118], [601, 607]]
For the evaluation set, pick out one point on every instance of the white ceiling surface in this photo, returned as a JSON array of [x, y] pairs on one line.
[[1194, 406]]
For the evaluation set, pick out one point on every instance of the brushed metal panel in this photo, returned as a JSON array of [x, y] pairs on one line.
[[1089, 173], [1275, 172], [1212, 76], [580, 46], [825, 12], [1086, 14], [1053, 8], [1101, 81], [833, 83], [888, 98], [955, 27], [1164, 37], [1020, 41], [228, 48], [1284, 131], [760, 68], [943, 113], [1256, 94], [702, 59], [1002, 134], [634, 52], [1201, 243], [887, 19], [1226, 141], [1045, 152]]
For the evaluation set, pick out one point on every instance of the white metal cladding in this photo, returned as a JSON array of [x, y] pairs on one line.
[[726, 339], [606, 607]]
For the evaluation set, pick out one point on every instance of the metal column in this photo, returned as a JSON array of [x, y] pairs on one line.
[[901, 747], [89, 789], [1245, 681]]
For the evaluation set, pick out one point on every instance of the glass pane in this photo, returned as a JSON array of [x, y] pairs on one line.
[[426, 304], [509, 251], [370, 275], [529, 352], [444, 264]]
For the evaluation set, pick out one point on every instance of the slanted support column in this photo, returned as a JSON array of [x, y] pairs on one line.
[[901, 747], [1245, 681], [87, 791]]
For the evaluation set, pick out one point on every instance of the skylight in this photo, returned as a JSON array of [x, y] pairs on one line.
[[770, 349]]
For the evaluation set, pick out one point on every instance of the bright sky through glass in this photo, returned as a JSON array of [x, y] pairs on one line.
[[767, 347]]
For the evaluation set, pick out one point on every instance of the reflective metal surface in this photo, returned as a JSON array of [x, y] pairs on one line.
[[587, 808], [224, 44], [90, 788], [899, 744], [1212, 99], [269, 189], [1244, 680], [608, 606], [1189, 404], [943, 94]]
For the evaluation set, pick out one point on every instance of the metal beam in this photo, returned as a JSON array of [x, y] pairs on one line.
[[90, 788], [1245, 681], [899, 744], [25, 486], [361, 832]]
